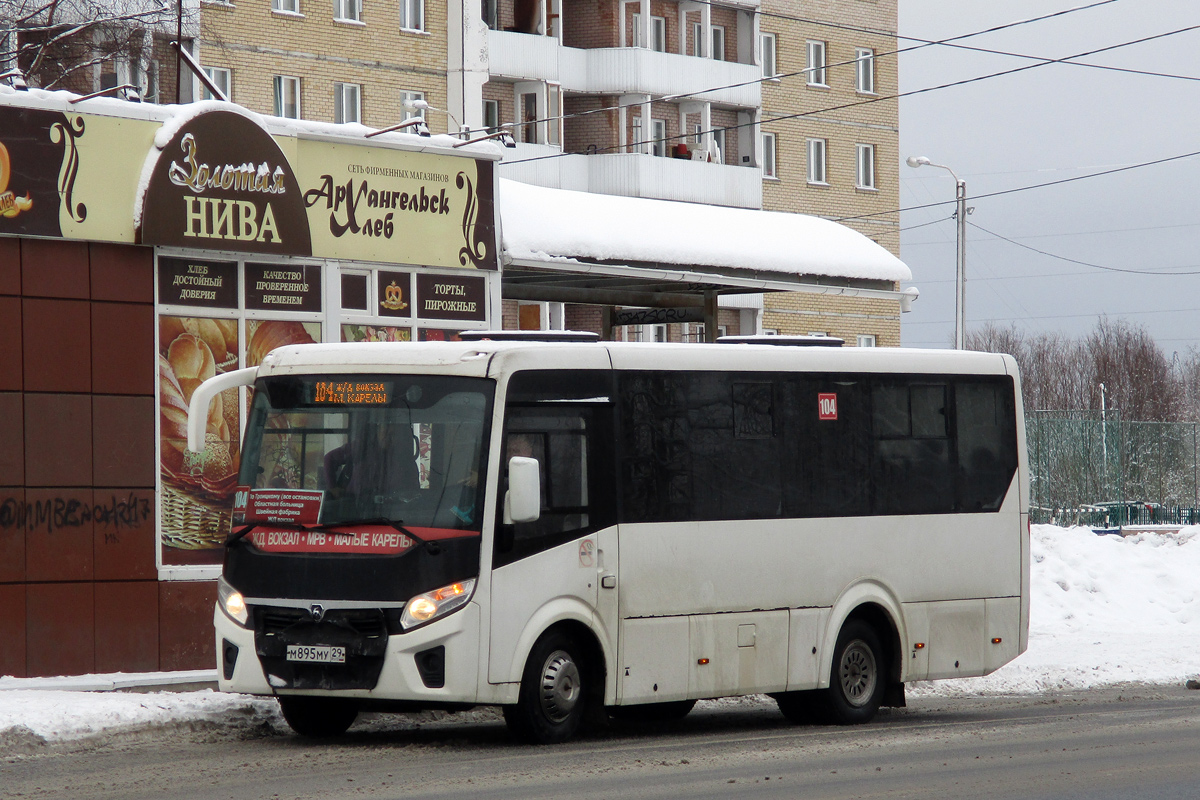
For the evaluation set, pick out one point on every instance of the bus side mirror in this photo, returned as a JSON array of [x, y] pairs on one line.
[[523, 500], [202, 396]]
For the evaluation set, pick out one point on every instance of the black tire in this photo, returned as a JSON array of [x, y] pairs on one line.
[[857, 678], [653, 712], [801, 708], [557, 688], [318, 717]]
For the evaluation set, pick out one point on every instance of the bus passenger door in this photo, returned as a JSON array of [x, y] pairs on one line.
[[551, 569]]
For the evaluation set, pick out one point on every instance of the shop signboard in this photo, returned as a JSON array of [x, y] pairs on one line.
[[451, 297], [211, 178], [395, 299]]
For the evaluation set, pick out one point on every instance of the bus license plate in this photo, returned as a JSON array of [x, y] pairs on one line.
[[322, 654]]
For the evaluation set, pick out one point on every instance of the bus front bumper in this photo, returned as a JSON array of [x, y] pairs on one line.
[[436, 663]]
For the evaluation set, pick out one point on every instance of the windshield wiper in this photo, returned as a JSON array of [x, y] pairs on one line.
[[249, 526]]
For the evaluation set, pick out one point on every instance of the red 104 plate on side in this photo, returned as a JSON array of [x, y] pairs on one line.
[[827, 405]]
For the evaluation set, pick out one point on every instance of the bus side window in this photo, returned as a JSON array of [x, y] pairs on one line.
[[987, 447], [912, 458], [560, 441]]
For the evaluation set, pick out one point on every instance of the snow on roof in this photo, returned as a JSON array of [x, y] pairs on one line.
[[175, 116], [549, 224]]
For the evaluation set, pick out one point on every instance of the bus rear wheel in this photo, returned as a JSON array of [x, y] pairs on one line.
[[555, 692], [318, 717], [857, 679]]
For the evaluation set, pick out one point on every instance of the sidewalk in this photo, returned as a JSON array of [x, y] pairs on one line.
[[186, 681]]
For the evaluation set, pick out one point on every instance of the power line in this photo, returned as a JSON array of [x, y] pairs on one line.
[[1126, 168], [779, 76], [1063, 316], [878, 99], [1056, 235], [1077, 261]]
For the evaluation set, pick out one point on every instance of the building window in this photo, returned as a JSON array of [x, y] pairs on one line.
[[286, 6], [768, 155], [149, 83], [412, 15], [658, 136], [8, 48], [866, 340], [287, 97], [864, 70], [554, 121], [718, 42], [719, 140], [816, 161], [350, 10], [767, 46], [491, 115], [529, 118], [816, 64], [220, 78], [648, 333], [635, 136], [406, 104], [697, 39], [658, 32], [491, 13], [346, 102], [864, 173]]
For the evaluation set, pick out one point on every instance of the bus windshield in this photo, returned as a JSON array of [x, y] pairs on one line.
[[351, 449]]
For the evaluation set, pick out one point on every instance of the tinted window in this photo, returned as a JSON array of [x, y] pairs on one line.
[[912, 471], [826, 458], [749, 446], [987, 446], [699, 446]]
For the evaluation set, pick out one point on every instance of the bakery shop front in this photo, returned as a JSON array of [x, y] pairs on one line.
[[144, 249]]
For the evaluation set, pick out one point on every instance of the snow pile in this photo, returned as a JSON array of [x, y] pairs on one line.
[[32, 715], [1104, 610], [540, 224]]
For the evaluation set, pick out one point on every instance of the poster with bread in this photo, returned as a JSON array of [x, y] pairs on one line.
[[197, 487]]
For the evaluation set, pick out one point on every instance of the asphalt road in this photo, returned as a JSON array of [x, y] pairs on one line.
[[1127, 742]]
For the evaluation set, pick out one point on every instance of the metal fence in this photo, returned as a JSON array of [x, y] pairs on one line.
[[1093, 468]]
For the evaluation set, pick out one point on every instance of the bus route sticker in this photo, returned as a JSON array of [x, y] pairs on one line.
[[285, 505], [587, 550], [827, 405]]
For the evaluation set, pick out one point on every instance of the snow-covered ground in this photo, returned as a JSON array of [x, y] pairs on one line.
[[1105, 610]]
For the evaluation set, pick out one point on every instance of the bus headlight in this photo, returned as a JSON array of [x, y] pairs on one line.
[[231, 602], [438, 603]]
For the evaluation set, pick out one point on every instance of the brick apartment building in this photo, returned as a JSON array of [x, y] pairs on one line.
[[603, 98]]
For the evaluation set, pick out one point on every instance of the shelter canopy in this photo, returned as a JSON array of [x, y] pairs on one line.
[[564, 243]]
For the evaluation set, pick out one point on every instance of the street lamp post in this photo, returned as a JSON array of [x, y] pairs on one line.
[[960, 282]]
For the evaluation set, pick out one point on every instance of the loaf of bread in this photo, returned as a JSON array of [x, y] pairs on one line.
[[271, 334]]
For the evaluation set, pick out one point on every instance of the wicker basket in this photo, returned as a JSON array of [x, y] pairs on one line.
[[188, 525]]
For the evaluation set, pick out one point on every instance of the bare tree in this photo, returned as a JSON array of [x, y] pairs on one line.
[[1135, 372], [1062, 373], [84, 44]]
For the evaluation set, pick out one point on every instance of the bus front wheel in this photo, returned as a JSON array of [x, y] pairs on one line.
[[318, 717], [857, 678], [555, 691]]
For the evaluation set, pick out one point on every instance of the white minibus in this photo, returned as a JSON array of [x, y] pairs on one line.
[[577, 529]]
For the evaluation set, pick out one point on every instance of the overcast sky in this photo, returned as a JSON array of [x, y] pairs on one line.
[[1049, 123]]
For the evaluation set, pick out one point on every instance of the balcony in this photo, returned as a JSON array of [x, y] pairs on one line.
[[637, 175], [621, 70]]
